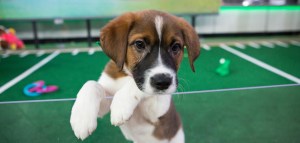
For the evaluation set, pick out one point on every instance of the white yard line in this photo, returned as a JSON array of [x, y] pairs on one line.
[[28, 72], [5, 55], [40, 53], [279, 43], [91, 51], [260, 63], [239, 45], [267, 44], [296, 43], [177, 93], [254, 45], [24, 54], [75, 52], [206, 47]]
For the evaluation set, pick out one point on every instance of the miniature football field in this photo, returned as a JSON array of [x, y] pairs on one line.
[[257, 102]]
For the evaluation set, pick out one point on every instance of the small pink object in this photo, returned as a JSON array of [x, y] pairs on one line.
[[12, 39], [47, 89], [40, 87], [39, 84]]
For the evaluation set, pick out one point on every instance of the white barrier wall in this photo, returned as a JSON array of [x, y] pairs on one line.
[[228, 21], [249, 21]]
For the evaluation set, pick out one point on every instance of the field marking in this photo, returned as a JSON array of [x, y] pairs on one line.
[[177, 93], [24, 54], [260, 63], [254, 45], [236, 89], [28, 72], [5, 55], [296, 43], [91, 51], [267, 44], [40, 53], [206, 47], [75, 52], [38, 101], [279, 43], [239, 45]]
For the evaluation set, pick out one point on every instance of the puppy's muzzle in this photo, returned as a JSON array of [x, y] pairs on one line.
[[161, 81]]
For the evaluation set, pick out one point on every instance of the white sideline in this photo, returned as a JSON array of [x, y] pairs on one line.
[[260, 63], [28, 72], [177, 93]]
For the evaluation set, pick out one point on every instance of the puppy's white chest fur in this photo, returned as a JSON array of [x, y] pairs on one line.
[[141, 125]]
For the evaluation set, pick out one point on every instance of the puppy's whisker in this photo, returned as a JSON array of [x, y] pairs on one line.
[[184, 83]]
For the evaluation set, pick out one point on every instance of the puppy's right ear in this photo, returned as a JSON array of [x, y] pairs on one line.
[[114, 38]]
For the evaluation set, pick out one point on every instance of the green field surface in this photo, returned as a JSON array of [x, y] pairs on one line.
[[286, 59], [248, 116], [244, 106], [71, 72], [14, 65]]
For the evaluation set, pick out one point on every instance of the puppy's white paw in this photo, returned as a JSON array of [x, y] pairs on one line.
[[85, 109], [83, 122], [119, 113], [124, 103]]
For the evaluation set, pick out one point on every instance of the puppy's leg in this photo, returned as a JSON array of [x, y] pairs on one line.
[[179, 137], [86, 108], [124, 102], [104, 105]]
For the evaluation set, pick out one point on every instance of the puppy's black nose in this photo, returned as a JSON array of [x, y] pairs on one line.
[[161, 81]]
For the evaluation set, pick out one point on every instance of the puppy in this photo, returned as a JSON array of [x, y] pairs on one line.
[[145, 49]]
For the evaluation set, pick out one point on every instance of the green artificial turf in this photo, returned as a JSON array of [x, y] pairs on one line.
[[71, 72], [285, 59], [68, 72], [13, 66], [249, 116]]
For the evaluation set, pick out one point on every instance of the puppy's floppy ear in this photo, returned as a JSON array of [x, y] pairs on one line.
[[191, 41], [114, 38]]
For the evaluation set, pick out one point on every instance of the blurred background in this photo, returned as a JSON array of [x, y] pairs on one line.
[[62, 21]]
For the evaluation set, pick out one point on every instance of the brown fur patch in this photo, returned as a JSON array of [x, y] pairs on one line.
[[114, 38], [113, 70], [132, 58], [168, 124]]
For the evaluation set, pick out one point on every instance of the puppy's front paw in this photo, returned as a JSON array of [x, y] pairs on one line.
[[85, 109], [83, 121], [120, 113]]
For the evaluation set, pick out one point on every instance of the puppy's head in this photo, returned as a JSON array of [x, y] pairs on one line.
[[149, 45]]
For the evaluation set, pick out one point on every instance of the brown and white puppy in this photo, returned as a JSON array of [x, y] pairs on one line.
[[146, 49]]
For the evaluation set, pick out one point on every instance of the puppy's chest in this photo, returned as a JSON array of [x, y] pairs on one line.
[[145, 118], [153, 107]]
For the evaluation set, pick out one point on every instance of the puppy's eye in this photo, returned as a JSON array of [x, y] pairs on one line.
[[139, 44], [176, 48]]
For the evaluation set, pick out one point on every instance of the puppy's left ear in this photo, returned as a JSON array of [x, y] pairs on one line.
[[114, 38], [191, 41]]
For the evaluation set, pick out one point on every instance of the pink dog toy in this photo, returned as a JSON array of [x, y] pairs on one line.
[[37, 88]]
